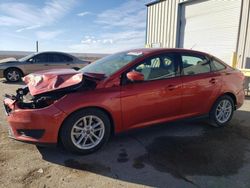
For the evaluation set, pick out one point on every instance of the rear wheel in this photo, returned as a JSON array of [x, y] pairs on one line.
[[85, 131], [222, 111], [13, 75]]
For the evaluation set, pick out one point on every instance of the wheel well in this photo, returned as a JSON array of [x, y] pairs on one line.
[[4, 72], [233, 97], [93, 107]]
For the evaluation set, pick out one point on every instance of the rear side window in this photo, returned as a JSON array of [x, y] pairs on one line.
[[66, 58], [216, 65], [194, 64], [59, 58]]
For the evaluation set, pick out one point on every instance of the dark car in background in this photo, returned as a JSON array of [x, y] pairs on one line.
[[14, 70]]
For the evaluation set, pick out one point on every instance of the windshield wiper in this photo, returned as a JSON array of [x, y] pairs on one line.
[[93, 75]]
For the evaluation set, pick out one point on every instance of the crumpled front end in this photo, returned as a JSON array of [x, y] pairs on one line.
[[35, 118], [48, 81], [39, 125]]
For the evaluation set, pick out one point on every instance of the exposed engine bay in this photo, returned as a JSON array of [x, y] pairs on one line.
[[25, 100]]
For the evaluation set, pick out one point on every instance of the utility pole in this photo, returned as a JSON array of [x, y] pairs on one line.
[[36, 46]]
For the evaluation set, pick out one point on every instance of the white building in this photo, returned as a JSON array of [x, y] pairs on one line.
[[219, 27]]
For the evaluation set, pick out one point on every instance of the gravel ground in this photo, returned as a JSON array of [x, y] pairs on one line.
[[181, 154]]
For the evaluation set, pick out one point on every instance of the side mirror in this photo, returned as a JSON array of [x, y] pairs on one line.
[[31, 60], [135, 76]]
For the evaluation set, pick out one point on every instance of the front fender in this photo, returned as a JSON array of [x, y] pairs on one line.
[[106, 99]]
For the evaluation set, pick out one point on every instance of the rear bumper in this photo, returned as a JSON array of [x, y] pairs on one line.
[[35, 125], [240, 97]]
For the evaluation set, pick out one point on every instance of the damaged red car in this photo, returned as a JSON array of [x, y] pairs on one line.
[[127, 90]]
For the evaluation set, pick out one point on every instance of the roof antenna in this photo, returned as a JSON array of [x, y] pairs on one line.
[[193, 46]]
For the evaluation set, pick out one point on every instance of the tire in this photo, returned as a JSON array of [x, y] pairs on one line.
[[218, 119], [76, 131], [13, 75]]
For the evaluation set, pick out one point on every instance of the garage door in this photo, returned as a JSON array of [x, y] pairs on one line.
[[210, 26]]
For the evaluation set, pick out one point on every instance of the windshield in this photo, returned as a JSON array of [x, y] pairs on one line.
[[110, 64], [26, 57]]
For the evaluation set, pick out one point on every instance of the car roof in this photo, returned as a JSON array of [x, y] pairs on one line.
[[148, 51], [54, 52]]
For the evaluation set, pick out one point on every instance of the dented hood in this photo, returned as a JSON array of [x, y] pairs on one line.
[[51, 80]]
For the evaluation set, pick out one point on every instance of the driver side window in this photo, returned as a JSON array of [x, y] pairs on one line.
[[158, 67], [40, 58]]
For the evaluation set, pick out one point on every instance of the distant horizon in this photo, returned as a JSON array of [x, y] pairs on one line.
[[20, 51]]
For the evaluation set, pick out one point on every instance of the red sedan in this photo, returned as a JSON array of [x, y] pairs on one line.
[[127, 90]]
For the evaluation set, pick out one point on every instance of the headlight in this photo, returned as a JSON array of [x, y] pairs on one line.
[[33, 79]]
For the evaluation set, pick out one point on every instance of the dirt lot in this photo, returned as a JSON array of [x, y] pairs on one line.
[[183, 154]]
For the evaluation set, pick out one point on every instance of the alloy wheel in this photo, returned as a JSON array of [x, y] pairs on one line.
[[87, 132], [13, 75], [223, 111]]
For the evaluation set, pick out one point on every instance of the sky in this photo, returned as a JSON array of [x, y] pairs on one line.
[[83, 26]]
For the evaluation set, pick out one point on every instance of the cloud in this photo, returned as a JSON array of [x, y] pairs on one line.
[[83, 13], [29, 16], [110, 42], [28, 28], [47, 35], [11, 35], [123, 28], [129, 14], [92, 40]]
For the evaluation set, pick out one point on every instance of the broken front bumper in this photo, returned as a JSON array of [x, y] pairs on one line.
[[33, 125]]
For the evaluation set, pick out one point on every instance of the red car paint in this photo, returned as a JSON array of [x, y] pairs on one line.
[[46, 81], [129, 106]]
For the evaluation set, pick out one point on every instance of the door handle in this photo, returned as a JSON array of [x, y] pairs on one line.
[[171, 87], [46, 64], [213, 81]]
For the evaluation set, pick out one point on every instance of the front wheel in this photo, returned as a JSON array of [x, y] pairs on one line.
[[85, 131], [222, 111]]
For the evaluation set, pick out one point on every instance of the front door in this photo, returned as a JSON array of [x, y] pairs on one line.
[[158, 97], [36, 63]]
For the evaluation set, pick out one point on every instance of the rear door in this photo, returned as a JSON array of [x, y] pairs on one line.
[[158, 97], [57, 61], [201, 85]]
